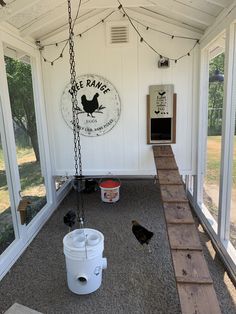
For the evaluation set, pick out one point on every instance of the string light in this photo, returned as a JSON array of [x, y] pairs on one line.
[[3, 4], [130, 19], [153, 49], [67, 40], [162, 32]]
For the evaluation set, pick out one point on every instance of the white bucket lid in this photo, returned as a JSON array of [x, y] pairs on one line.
[[84, 242]]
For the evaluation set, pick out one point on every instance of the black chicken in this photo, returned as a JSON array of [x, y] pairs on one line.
[[90, 105], [69, 218], [91, 185], [142, 234], [2, 3]]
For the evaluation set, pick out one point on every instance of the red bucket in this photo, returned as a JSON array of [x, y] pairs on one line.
[[110, 190]]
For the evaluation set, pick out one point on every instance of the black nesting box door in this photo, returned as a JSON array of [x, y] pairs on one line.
[[161, 129]]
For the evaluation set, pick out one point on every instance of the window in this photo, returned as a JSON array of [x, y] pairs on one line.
[[7, 235], [20, 88], [211, 187], [233, 196]]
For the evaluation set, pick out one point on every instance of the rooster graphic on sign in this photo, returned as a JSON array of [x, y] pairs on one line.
[[90, 106]]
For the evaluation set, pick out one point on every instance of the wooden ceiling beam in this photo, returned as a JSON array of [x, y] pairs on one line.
[[60, 13], [16, 7], [142, 15], [44, 20], [86, 16], [219, 3], [112, 4], [171, 20], [182, 10], [203, 6]]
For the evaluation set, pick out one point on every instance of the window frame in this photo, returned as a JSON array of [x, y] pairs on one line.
[[220, 230], [24, 234]]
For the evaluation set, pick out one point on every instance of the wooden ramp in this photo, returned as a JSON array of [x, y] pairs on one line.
[[194, 283]]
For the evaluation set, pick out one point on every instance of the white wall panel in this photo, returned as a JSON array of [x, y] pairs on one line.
[[131, 69]]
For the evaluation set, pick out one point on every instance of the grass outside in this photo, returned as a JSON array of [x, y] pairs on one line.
[[32, 183], [213, 160], [212, 181], [32, 186]]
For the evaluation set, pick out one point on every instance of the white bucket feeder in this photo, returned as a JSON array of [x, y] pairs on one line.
[[83, 250]]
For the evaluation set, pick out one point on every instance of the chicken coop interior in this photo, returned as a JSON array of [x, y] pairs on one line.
[[118, 156]]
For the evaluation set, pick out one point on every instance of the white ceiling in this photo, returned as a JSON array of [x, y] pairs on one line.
[[41, 18]]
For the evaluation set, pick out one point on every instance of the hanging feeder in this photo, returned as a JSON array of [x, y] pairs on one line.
[[83, 247], [83, 250]]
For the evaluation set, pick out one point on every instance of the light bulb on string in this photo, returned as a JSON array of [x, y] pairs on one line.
[[124, 14], [162, 59]]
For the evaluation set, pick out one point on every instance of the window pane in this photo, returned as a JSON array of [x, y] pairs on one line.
[[214, 136], [24, 122], [7, 235], [233, 199]]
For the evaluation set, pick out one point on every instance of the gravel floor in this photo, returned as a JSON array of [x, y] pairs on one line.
[[135, 281]]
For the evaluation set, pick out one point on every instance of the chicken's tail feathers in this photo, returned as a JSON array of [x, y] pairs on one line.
[[150, 235], [83, 98]]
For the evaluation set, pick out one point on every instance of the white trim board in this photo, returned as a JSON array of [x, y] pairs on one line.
[[15, 251], [17, 308]]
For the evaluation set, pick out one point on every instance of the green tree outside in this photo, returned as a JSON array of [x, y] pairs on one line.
[[216, 97], [22, 100]]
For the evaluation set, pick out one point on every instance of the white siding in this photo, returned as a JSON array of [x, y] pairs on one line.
[[131, 69]]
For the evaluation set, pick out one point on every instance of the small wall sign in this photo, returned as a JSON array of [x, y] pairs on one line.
[[161, 114], [98, 105], [161, 100]]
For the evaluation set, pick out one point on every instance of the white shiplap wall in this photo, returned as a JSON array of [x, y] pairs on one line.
[[131, 69]]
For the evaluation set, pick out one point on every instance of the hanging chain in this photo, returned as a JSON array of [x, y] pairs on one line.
[[75, 119], [73, 92]]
